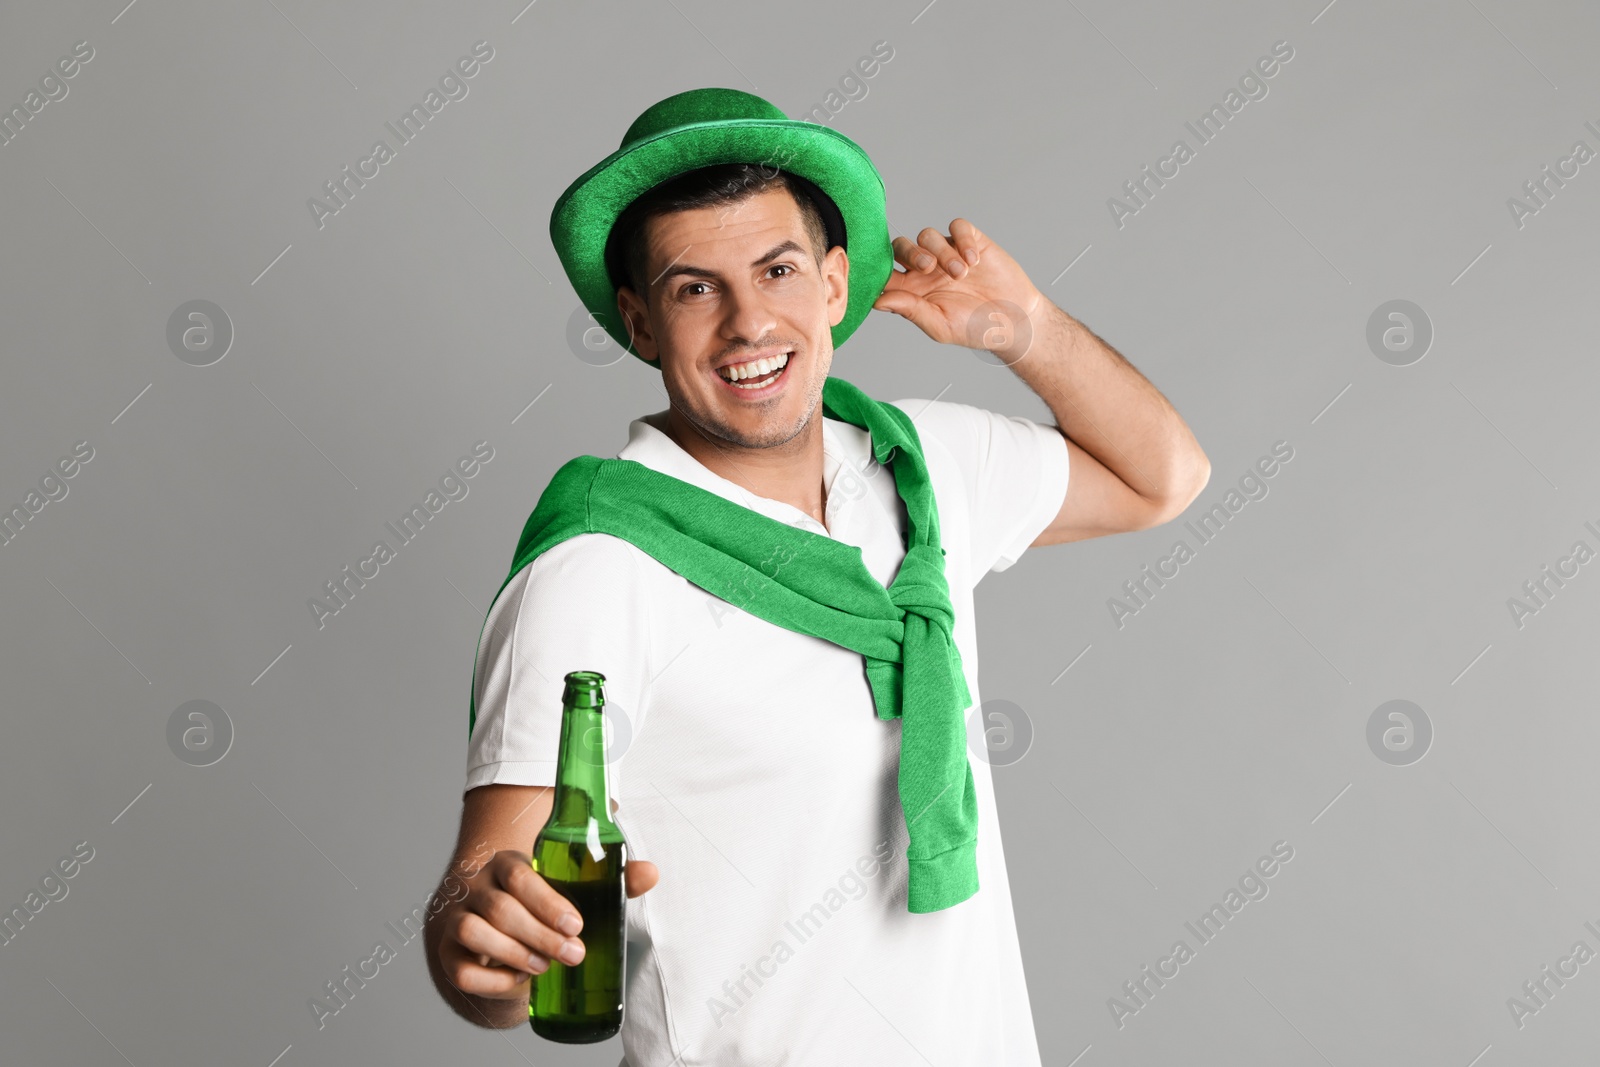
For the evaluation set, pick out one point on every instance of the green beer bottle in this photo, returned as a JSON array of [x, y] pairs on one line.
[[582, 854]]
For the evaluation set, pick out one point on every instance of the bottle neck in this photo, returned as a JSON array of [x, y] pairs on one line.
[[582, 795]]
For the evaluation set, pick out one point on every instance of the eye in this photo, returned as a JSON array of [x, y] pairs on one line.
[[686, 288], [783, 266]]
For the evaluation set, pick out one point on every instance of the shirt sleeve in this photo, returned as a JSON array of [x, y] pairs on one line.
[[578, 606], [1015, 471]]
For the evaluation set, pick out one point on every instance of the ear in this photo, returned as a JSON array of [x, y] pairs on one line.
[[836, 280], [636, 319]]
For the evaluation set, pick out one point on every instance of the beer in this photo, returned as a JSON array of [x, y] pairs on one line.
[[581, 853]]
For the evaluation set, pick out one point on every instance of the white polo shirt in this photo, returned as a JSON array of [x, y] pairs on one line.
[[749, 764]]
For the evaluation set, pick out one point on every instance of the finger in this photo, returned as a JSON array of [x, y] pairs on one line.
[[911, 257], [522, 904], [479, 935], [967, 238], [511, 917], [640, 876], [938, 247], [473, 973], [548, 907], [466, 971], [896, 301]]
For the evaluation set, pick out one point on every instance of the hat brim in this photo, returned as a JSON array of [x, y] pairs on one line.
[[581, 221]]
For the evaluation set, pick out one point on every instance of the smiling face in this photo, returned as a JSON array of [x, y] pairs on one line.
[[736, 290]]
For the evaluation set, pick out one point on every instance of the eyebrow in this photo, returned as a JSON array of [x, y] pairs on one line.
[[701, 272]]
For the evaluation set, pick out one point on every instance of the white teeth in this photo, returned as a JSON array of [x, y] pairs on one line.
[[755, 369]]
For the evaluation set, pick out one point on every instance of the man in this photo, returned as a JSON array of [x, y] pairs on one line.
[[783, 612]]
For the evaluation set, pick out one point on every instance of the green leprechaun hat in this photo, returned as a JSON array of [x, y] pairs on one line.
[[702, 128]]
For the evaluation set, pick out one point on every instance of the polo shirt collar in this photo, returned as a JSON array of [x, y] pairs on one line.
[[841, 444]]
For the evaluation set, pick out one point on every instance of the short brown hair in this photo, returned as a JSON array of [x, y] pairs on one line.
[[713, 186]]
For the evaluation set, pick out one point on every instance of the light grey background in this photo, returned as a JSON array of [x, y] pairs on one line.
[[1229, 714]]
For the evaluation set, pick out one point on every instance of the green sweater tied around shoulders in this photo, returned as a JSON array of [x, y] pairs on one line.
[[817, 586]]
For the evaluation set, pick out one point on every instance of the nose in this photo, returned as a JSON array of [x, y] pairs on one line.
[[748, 318]]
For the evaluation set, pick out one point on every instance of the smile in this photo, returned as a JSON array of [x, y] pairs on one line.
[[756, 376]]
